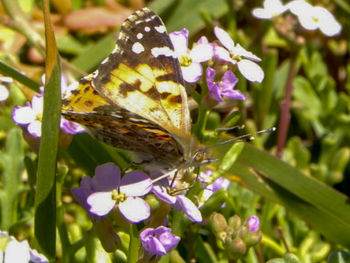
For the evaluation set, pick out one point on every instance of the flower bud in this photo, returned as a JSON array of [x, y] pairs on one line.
[[235, 222], [218, 223], [235, 248]]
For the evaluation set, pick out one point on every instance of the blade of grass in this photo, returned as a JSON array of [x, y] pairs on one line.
[[45, 203], [13, 73]]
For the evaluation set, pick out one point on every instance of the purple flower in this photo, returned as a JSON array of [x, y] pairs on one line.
[[211, 187], [190, 59], [237, 55], [223, 88], [31, 115], [158, 241], [253, 223], [100, 194], [179, 202]]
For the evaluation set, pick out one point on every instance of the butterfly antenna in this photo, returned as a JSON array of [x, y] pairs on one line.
[[244, 138], [239, 127]]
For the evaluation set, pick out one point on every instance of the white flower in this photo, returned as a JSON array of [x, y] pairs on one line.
[[190, 59], [313, 17], [271, 9], [239, 56]]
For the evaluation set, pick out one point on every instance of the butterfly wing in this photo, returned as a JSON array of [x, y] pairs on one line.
[[143, 76]]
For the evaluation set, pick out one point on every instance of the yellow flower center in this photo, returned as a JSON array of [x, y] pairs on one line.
[[185, 61], [118, 197]]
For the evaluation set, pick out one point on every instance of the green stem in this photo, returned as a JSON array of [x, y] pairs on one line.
[[285, 108], [134, 246]]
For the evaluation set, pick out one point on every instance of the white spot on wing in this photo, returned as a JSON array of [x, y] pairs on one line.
[[105, 60], [163, 51], [147, 28], [137, 48], [139, 35], [161, 29]]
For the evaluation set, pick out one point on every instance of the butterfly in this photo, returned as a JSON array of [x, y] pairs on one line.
[[136, 99]]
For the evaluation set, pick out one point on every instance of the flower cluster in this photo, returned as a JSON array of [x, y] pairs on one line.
[[310, 17], [30, 115], [109, 191], [222, 51]]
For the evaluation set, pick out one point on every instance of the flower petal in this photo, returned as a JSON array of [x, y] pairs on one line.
[[229, 80], [38, 104], [223, 54], [4, 93], [23, 115], [168, 240], [134, 209], [242, 52], [202, 52], [135, 183], [17, 251], [250, 70], [192, 73], [180, 41], [34, 128], [107, 178], [224, 38], [186, 205], [272, 8], [162, 194], [100, 203]]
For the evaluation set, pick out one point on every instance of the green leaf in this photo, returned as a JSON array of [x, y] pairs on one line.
[[45, 199], [182, 16], [339, 257], [203, 251], [327, 210], [13, 73], [12, 160]]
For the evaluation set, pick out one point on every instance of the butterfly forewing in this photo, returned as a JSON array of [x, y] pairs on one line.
[[143, 76]]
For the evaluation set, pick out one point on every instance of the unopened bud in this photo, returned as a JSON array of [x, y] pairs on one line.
[[218, 223]]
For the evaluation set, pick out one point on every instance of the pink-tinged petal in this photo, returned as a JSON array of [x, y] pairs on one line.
[[223, 54], [23, 115], [135, 183], [192, 73], [162, 194], [241, 51], [234, 94], [134, 209], [100, 203], [186, 205], [202, 52], [224, 38], [107, 178], [34, 128], [250, 70], [203, 40], [180, 41], [37, 104]]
